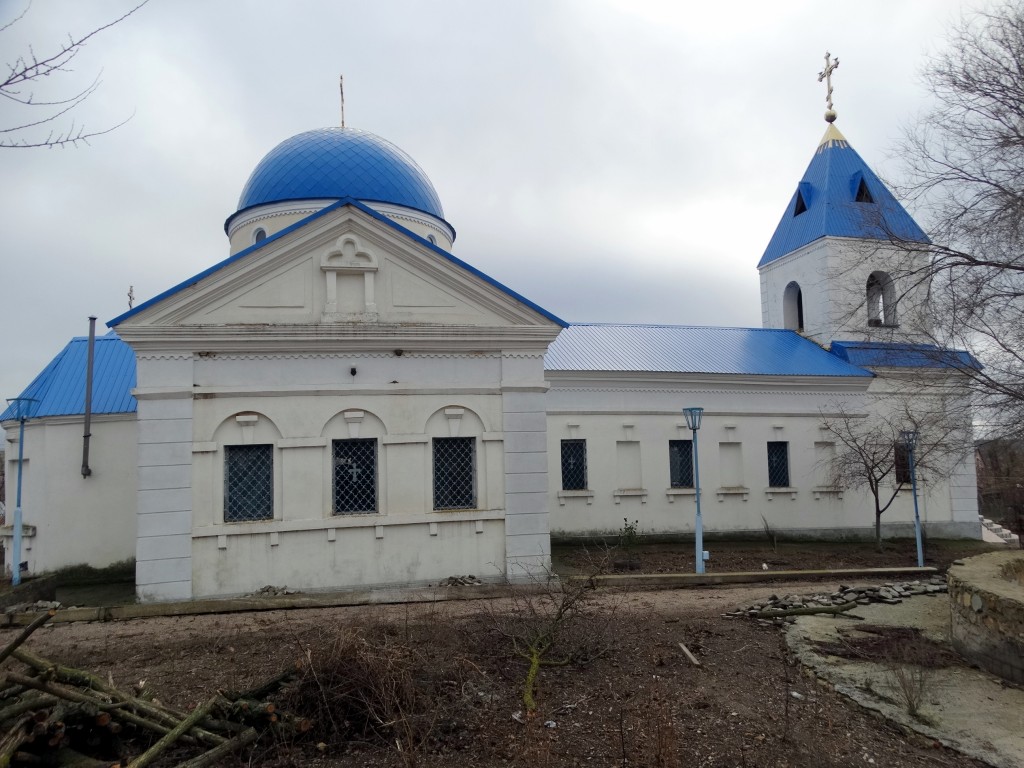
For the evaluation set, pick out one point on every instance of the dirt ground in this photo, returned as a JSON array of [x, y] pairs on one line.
[[626, 696], [730, 556]]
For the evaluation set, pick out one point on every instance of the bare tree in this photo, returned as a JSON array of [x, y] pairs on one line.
[[869, 452], [965, 173], [47, 121]]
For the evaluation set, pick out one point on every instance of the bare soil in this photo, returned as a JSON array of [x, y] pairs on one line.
[[625, 696], [742, 556]]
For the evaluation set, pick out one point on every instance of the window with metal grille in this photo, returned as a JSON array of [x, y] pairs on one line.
[[778, 464], [680, 463], [454, 467], [574, 465], [355, 476], [902, 463], [248, 483]]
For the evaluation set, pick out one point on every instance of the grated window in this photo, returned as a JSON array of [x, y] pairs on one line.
[[902, 463], [778, 464], [454, 467], [574, 465], [355, 476], [248, 483], [680, 463]]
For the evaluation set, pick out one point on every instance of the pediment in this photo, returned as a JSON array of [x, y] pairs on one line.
[[344, 267]]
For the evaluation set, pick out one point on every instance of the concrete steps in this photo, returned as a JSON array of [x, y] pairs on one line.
[[1007, 537]]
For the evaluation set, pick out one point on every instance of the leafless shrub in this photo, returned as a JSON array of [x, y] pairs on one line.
[[664, 742], [382, 684], [909, 669], [552, 622]]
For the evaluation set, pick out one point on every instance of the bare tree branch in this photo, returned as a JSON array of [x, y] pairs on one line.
[[28, 70]]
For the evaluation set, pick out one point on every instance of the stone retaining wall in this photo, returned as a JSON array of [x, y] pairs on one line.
[[986, 598]]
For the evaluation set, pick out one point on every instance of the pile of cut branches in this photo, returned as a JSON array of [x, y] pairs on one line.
[[54, 715]]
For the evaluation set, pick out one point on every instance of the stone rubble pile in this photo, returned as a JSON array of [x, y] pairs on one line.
[[890, 593], [462, 581], [271, 591], [38, 605]]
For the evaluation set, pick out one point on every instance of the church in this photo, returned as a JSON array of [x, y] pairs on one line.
[[343, 402]]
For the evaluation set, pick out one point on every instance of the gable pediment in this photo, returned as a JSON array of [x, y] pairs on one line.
[[342, 268]]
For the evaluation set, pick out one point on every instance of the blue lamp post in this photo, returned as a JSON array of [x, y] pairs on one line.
[[693, 417], [22, 407], [909, 440]]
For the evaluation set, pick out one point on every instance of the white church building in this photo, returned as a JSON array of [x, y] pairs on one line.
[[342, 402]]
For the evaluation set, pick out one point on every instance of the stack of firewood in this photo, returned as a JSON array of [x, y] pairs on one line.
[[54, 715]]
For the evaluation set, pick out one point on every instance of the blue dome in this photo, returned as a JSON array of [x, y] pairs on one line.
[[332, 163]]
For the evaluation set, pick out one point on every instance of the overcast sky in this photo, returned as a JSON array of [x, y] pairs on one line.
[[612, 160]]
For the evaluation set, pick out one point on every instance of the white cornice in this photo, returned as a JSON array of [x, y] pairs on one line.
[[334, 338], [603, 381]]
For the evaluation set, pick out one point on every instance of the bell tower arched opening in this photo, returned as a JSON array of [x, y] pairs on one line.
[[793, 307], [881, 300]]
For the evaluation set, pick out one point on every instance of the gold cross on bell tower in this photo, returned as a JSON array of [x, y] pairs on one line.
[[826, 75]]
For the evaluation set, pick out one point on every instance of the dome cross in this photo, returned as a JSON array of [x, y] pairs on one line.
[[826, 75]]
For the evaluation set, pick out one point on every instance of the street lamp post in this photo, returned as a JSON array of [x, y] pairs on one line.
[[909, 439], [22, 406], [693, 417]]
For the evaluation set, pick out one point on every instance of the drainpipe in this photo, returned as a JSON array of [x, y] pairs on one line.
[[88, 397]]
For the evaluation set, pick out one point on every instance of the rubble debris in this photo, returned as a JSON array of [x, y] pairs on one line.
[[462, 581], [778, 610], [271, 591]]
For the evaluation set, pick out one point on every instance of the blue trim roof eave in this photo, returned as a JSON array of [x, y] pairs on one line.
[[314, 216], [881, 354]]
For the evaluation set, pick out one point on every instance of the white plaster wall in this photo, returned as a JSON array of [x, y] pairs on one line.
[[357, 557], [832, 274], [305, 401], [650, 415], [77, 520]]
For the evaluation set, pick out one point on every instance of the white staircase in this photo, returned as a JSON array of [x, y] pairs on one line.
[[1000, 533]]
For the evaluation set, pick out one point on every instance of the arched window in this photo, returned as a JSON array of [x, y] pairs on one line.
[[793, 307], [881, 300], [432, 239], [259, 235]]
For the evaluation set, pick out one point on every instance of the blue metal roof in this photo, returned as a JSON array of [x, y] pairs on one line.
[[828, 191], [333, 163], [692, 349], [60, 388], [893, 355], [312, 217]]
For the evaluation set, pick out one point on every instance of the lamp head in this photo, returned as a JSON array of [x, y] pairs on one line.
[[693, 417], [909, 438]]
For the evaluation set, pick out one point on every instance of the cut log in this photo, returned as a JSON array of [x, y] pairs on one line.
[[23, 636], [243, 739], [175, 733], [13, 737]]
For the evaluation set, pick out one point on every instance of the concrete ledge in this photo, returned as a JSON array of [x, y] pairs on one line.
[[656, 580], [284, 602]]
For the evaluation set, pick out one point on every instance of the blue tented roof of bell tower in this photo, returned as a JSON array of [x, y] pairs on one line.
[[840, 196]]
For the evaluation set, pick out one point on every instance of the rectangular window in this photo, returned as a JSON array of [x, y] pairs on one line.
[[355, 476], [248, 483], [680, 463], [574, 465], [454, 468], [902, 467], [778, 464]]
